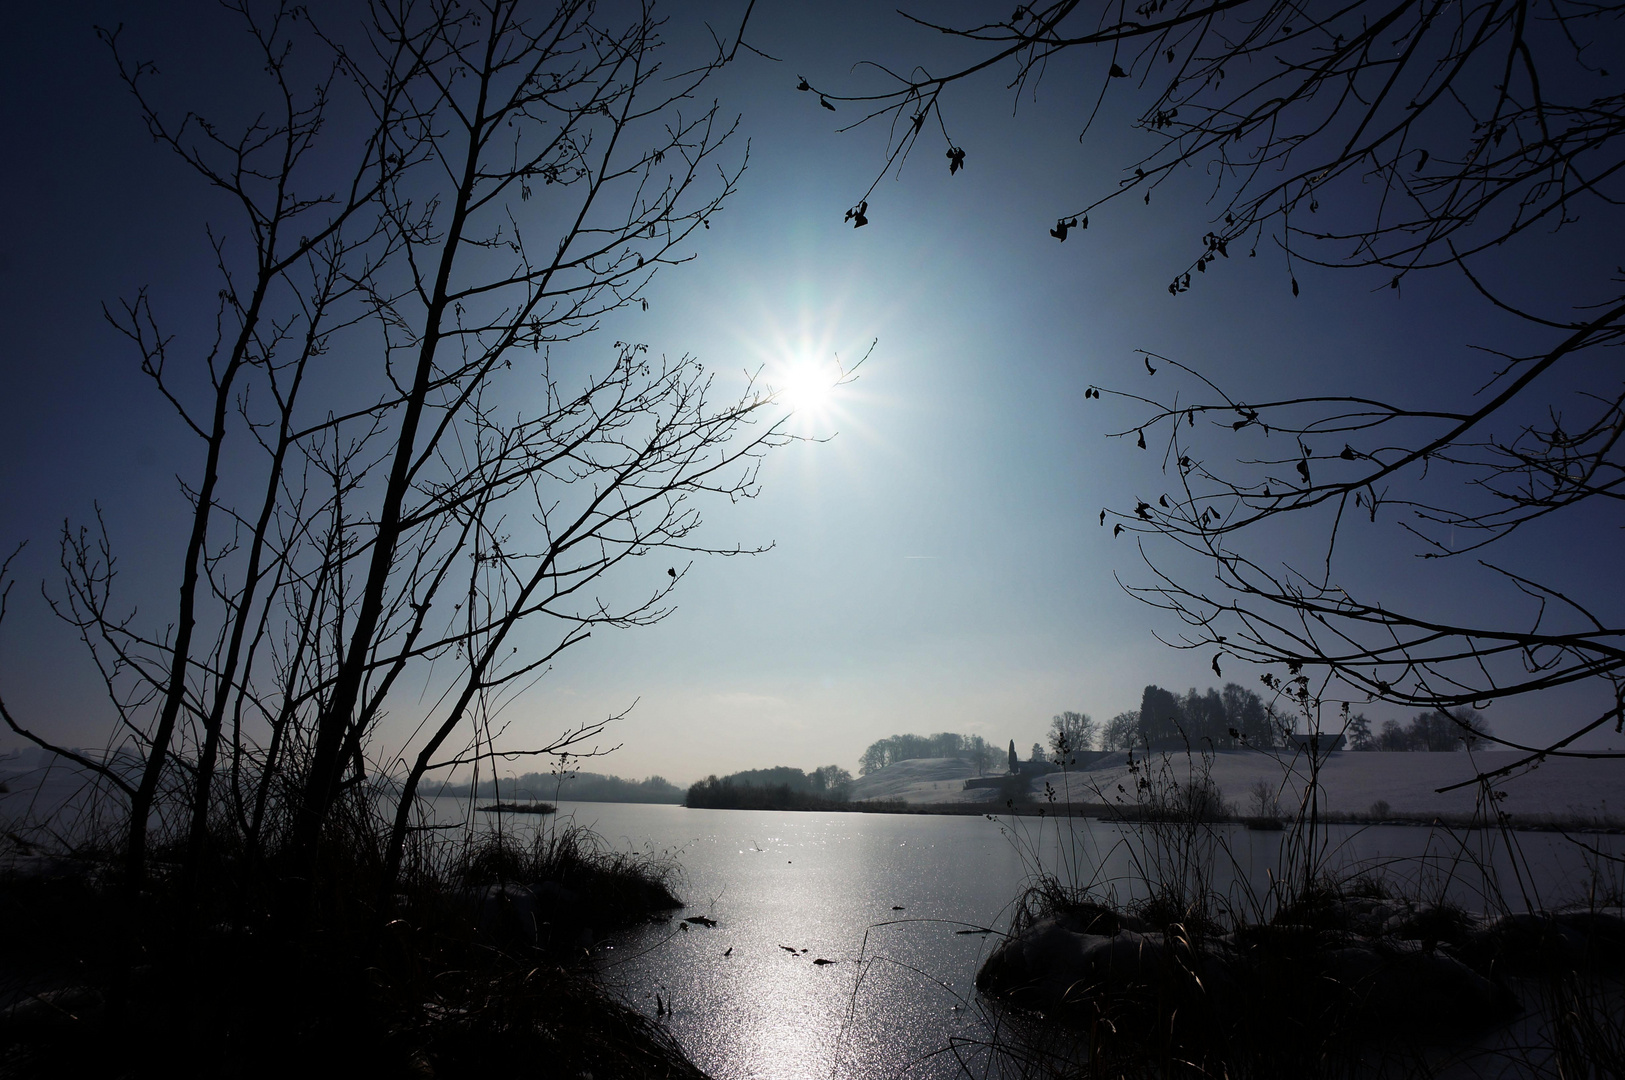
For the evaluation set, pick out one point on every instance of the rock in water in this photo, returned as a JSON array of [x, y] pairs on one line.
[[1054, 967], [1057, 966], [505, 914], [1538, 943], [564, 919], [1399, 986]]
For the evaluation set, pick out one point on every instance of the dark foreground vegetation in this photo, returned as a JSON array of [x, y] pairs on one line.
[[472, 965], [1347, 979]]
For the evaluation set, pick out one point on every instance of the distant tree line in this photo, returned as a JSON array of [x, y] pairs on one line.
[[1210, 719], [973, 748], [1214, 719], [1427, 731], [778, 788], [1235, 716], [576, 786]]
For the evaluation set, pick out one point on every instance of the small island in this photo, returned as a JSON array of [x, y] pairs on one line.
[[781, 788], [520, 808]]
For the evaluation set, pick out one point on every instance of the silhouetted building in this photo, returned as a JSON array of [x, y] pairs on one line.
[[1317, 743]]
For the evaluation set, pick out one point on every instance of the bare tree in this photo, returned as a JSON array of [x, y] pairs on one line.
[[428, 446], [277, 307], [1122, 732], [1397, 137], [1070, 732]]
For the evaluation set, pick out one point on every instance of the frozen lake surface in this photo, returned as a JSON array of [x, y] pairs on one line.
[[885, 896]]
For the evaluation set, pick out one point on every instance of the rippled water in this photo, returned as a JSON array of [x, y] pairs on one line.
[[787, 889]]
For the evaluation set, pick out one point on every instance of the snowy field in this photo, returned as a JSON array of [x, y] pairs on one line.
[[1350, 782]]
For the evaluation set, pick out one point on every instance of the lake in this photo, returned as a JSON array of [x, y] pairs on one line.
[[787, 889]]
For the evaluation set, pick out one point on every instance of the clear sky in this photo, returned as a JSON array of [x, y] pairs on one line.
[[937, 565]]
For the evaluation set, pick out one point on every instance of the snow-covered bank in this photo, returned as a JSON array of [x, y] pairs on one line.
[[1350, 782], [923, 780]]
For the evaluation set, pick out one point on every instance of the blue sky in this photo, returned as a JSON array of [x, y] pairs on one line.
[[937, 565]]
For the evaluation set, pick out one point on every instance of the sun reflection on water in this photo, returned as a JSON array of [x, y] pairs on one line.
[[824, 888]]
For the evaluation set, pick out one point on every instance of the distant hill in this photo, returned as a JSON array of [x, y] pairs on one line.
[[575, 787]]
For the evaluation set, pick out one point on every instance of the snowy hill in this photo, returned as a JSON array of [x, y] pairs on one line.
[[1350, 782], [922, 780], [1407, 782]]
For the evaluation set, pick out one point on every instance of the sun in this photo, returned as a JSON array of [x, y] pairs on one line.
[[807, 386]]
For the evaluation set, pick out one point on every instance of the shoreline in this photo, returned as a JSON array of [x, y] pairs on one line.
[[1116, 815]]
